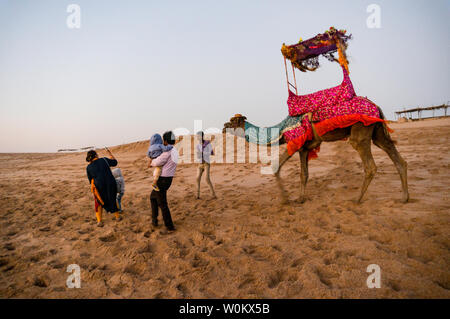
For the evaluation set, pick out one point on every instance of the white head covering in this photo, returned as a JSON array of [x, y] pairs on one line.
[[117, 172]]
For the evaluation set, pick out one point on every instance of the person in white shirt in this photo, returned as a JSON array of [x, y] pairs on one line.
[[204, 151]]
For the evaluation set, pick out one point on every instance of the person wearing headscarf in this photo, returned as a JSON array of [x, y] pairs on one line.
[[103, 184]]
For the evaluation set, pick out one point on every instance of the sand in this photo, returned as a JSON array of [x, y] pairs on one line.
[[245, 244]]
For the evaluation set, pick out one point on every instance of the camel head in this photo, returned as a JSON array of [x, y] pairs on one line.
[[237, 121]]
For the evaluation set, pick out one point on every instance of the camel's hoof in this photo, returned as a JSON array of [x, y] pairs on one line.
[[302, 199], [405, 200]]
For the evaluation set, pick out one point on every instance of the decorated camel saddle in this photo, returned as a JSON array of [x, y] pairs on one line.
[[329, 109]]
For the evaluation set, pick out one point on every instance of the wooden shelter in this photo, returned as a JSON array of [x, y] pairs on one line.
[[409, 112]]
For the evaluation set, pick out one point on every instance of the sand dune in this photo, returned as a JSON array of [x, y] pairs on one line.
[[245, 244]]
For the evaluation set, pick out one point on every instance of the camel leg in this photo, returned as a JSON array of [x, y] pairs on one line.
[[284, 156], [304, 173], [383, 141], [360, 139]]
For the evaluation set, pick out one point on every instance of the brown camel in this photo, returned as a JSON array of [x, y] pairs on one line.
[[360, 138]]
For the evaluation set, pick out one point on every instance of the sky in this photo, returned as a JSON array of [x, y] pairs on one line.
[[135, 68]]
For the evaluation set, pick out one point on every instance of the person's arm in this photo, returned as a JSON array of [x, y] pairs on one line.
[[149, 162], [111, 161], [89, 176], [210, 149], [161, 159]]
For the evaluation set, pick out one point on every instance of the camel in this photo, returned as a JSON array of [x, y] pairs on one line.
[[360, 138]]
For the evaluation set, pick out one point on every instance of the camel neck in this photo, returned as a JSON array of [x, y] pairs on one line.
[[270, 134]]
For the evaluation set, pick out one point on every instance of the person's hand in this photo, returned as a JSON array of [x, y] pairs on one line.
[[309, 114], [149, 163], [110, 154]]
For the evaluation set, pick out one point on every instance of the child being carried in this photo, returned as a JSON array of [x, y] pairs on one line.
[[157, 148]]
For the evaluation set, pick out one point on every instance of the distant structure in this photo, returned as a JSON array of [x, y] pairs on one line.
[[410, 112], [66, 150]]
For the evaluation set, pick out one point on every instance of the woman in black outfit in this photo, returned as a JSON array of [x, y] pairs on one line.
[[103, 184]]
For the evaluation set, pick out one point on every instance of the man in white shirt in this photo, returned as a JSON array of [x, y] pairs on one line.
[[204, 151]]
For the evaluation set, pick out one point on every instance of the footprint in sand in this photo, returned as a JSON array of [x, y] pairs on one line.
[[85, 231], [9, 246], [247, 280], [40, 282], [55, 264], [275, 278], [148, 233], [107, 238], [147, 248], [3, 262], [11, 233]]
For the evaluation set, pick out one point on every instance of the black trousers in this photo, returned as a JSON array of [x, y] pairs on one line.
[[159, 199]]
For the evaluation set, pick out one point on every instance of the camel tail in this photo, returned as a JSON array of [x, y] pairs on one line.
[[384, 127]]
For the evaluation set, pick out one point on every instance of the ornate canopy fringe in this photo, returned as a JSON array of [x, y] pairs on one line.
[[305, 54]]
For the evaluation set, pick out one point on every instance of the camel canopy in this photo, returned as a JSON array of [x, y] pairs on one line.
[[304, 55]]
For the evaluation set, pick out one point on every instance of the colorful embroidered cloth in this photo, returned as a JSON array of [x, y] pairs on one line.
[[321, 100], [332, 108]]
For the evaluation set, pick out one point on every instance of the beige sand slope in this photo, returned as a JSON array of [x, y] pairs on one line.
[[244, 244]]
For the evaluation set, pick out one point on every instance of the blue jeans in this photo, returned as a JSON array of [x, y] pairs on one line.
[[119, 200]]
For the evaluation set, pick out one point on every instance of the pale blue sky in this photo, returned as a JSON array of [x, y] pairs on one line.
[[140, 67]]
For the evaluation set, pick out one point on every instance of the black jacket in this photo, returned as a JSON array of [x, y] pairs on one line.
[[104, 181]]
